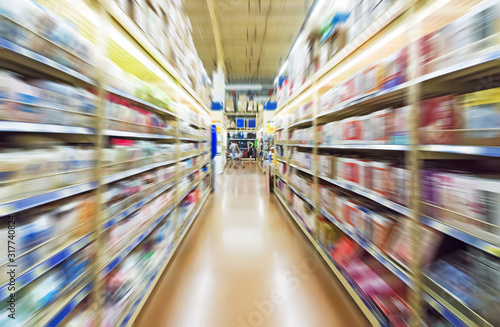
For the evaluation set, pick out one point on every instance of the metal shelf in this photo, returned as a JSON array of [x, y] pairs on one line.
[[302, 196], [305, 170], [30, 58], [302, 122], [138, 135], [151, 282], [51, 196], [139, 101], [23, 127], [463, 236], [463, 149], [136, 241], [360, 300], [386, 147], [135, 171], [40, 269], [387, 203], [71, 305], [382, 258], [125, 213]]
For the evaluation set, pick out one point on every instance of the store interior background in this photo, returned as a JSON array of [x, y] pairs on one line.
[[376, 133]]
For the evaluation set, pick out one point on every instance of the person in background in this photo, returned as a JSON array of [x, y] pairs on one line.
[[250, 151], [236, 153]]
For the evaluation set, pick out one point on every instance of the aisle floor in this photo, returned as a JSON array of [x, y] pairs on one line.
[[245, 263]]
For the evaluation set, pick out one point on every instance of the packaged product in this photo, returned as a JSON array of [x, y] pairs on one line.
[[327, 233], [402, 128], [399, 244], [400, 186], [454, 273], [381, 172], [366, 129], [366, 175], [486, 269], [373, 77], [438, 118], [394, 308], [481, 115], [352, 214], [351, 170], [485, 203], [328, 199], [351, 130], [339, 210], [381, 228], [383, 126], [327, 165], [395, 69], [345, 251], [429, 49]]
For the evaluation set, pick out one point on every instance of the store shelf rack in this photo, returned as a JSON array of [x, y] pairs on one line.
[[392, 30], [134, 51]]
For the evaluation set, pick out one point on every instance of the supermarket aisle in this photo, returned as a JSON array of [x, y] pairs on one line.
[[243, 253]]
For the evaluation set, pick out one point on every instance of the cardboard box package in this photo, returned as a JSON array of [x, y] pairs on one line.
[[438, 117], [481, 113], [327, 166]]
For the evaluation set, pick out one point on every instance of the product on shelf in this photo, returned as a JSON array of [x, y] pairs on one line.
[[465, 201], [44, 101], [29, 169], [31, 26], [49, 287], [124, 283]]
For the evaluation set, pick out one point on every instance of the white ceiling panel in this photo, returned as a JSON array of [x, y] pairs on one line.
[[256, 35]]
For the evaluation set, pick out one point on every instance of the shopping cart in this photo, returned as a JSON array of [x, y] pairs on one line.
[[236, 159]]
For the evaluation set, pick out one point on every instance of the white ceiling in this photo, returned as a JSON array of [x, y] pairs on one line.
[[256, 35]]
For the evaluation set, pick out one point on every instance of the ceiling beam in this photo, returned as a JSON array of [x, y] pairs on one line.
[[214, 18]]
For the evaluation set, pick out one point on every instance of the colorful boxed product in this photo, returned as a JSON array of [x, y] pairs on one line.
[[352, 214], [367, 175], [402, 128], [438, 117], [428, 51], [351, 130], [373, 77], [395, 69], [345, 251], [327, 165], [481, 115], [399, 244], [400, 188], [366, 129], [454, 273], [381, 172], [383, 126], [394, 308], [351, 171], [381, 228]]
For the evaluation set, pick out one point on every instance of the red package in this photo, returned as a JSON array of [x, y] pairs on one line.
[[351, 170], [394, 308], [352, 214], [438, 116], [345, 251], [351, 129]]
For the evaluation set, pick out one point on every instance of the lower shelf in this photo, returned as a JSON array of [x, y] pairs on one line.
[[141, 299], [357, 297]]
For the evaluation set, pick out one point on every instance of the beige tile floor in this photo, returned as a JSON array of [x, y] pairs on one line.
[[245, 263]]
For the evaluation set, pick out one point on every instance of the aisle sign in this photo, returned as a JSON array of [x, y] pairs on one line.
[[270, 127]]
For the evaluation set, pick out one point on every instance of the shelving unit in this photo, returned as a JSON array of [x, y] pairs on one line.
[[403, 23], [171, 181]]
